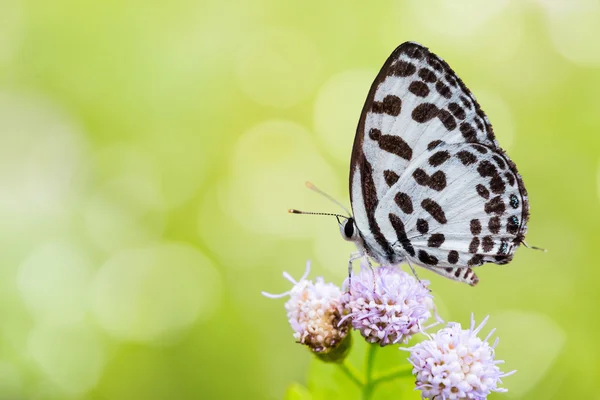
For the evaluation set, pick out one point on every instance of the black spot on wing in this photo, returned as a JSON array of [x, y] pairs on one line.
[[404, 202], [487, 243], [475, 261], [466, 158], [391, 105], [468, 132], [474, 245], [480, 148], [422, 226], [419, 88], [435, 210], [436, 181], [436, 240], [482, 191], [425, 112], [466, 102], [457, 110], [413, 51], [512, 224], [494, 224], [390, 177], [443, 89], [439, 158], [402, 68], [453, 257], [392, 144], [510, 178], [447, 120], [432, 145], [486, 169], [427, 258], [495, 206], [475, 226], [499, 161], [427, 75], [497, 184]]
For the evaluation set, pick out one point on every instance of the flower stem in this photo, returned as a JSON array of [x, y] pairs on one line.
[[370, 361], [352, 374], [367, 390]]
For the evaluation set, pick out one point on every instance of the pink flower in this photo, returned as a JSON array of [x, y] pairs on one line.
[[387, 305]]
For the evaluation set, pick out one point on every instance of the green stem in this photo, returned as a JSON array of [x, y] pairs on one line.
[[352, 374], [370, 361], [399, 372], [369, 386]]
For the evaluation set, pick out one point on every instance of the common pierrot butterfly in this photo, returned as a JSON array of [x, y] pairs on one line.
[[429, 183]]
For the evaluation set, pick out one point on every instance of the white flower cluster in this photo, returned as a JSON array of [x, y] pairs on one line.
[[389, 306], [314, 311], [456, 364]]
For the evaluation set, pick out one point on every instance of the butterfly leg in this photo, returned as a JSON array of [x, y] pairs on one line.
[[372, 272], [353, 256], [415, 273]]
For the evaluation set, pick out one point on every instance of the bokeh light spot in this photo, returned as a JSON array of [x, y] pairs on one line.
[[535, 342], [457, 18], [337, 110], [127, 207], [71, 358], [54, 280], [571, 24], [183, 166], [41, 151], [153, 293], [278, 67], [270, 164]]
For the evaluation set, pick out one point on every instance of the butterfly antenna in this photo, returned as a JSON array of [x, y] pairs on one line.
[[322, 193], [338, 216], [533, 247]]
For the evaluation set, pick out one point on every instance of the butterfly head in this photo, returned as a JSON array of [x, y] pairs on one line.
[[348, 229]]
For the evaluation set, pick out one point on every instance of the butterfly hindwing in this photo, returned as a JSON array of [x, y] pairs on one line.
[[425, 154], [460, 206]]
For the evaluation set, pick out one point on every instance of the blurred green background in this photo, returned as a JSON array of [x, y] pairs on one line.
[[149, 152]]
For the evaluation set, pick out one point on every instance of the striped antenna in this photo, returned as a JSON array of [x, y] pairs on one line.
[[338, 216]]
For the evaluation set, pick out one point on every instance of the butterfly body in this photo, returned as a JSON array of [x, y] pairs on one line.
[[429, 183]]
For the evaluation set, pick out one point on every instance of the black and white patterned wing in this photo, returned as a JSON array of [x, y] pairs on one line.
[[417, 109], [456, 206]]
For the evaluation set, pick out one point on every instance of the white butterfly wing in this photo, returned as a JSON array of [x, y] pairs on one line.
[[418, 107], [455, 206]]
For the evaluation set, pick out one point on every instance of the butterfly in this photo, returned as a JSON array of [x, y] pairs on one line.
[[429, 183]]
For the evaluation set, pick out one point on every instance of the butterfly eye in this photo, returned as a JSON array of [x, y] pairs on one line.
[[349, 229]]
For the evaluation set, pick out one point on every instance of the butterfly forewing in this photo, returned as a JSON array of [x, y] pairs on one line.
[[425, 165]]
